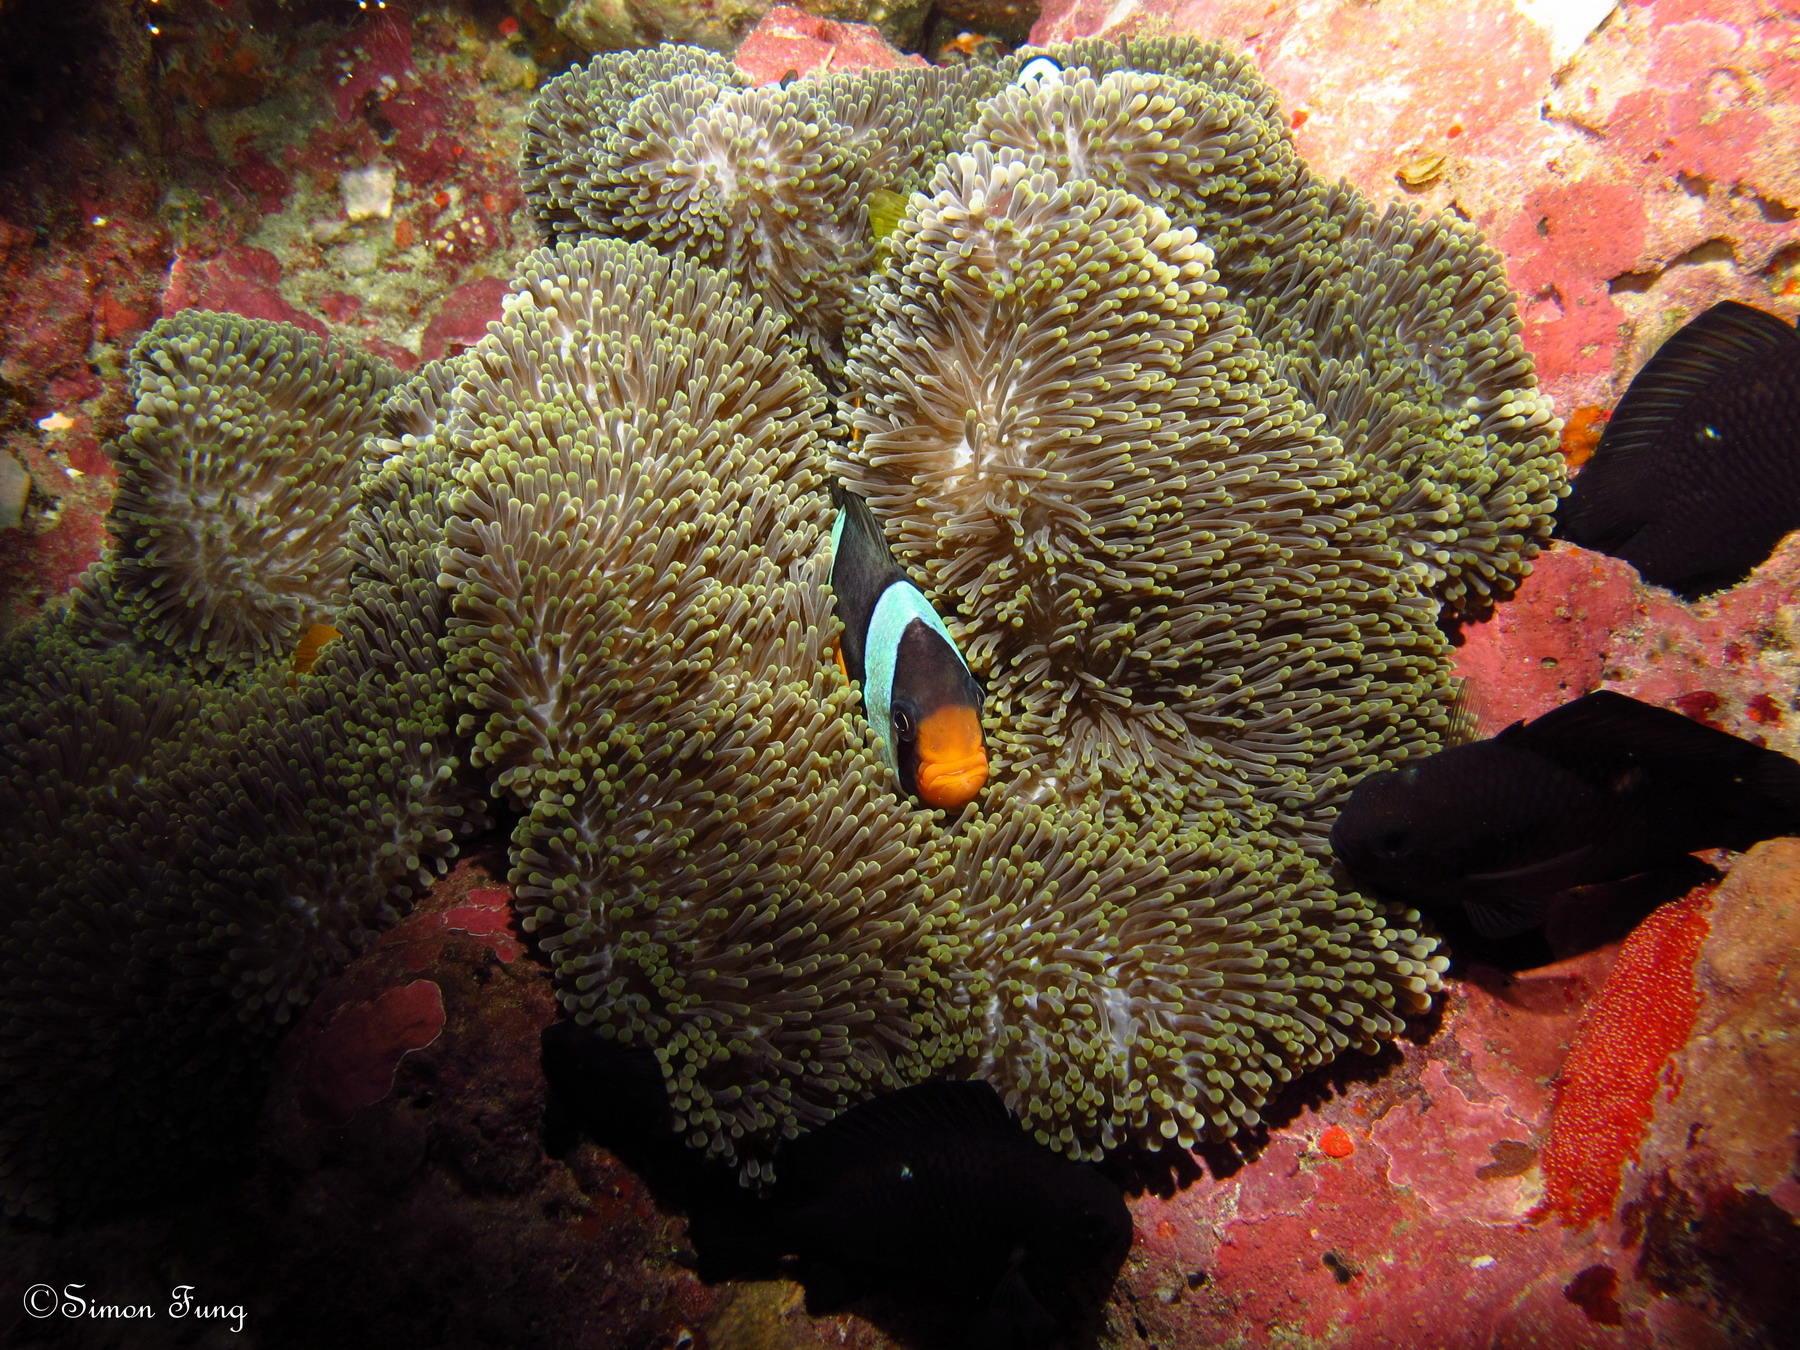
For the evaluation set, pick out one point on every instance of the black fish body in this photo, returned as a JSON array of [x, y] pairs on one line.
[[936, 1190], [1697, 477], [964, 1192], [1598, 790]]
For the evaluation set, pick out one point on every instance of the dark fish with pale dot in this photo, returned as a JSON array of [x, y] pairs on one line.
[[1697, 476], [933, 1196], [1595, 791], [918, 694], [934, 1191]]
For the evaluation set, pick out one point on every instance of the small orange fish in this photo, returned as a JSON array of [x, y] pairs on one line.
[[967, 46], [306, 651], [1581, 433]]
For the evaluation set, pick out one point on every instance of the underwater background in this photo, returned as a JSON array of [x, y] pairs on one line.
[[1599, 1151]]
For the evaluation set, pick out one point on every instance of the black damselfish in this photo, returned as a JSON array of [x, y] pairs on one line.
[[1595, 791], [934, 1190], [1697, 476]]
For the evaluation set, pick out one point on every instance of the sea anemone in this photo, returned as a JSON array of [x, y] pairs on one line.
[[711, 853], [1168, 574], [770, 184], [236, 481], [1399, 329], [195, 853], [1145, 983], [1103, 387]]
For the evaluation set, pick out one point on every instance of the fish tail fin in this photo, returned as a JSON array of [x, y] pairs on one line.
[[860, 518], [1771, 805]]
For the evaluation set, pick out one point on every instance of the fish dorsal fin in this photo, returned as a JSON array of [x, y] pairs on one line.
[[862, 568], [1610, 500], [922, 1115], [1687, 365], [1603, 733], [1465, 714], [1602, 736]]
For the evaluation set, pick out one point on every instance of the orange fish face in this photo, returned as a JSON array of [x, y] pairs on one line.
[[952, 758], [935, 719]]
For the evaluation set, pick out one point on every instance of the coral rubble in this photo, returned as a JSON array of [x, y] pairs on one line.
[[1188, 447]]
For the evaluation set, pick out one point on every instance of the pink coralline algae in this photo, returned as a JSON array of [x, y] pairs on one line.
[[790, 41], [484, 915], [1614, 1072], [1583, 621], [353, 1060], [462, 318], [487, 917], [241, 280], [1622, 156], [1561, 250], [1540, 650]]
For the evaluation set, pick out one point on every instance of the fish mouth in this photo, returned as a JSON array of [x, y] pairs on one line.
[[950, 783]]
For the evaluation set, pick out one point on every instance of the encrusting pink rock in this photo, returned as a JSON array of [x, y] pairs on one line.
[[790, 41]]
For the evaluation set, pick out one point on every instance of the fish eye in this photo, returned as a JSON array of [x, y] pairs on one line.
[[905, 727], [1390, 844]]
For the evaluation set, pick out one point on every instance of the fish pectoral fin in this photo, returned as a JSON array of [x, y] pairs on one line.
[[1547, 867], [1509, 915], [1496, 919], [1015, 1315]]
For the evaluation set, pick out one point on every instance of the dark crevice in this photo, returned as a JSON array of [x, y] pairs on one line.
[[1774, 211], [1694, 184], [1707, 251], [1786, 258]]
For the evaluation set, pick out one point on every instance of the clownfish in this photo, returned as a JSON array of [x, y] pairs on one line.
[[917, 691], [306, 651], [1037, 70]]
